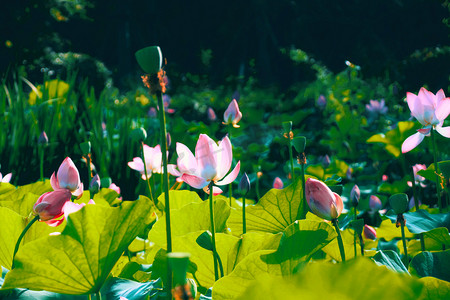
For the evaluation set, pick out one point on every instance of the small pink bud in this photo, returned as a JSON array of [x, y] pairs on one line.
[[384, 177], [321, 102], [232, 115], [43, 139], [322, 201], [355, 194], [50, 205], [278, 183], [369, 232], [211, 114], [375, 203]]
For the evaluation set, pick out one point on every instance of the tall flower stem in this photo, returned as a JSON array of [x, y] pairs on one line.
[[436, 169], [230, 188], [257, 188], [165, 182], [339, 238], [416, 205], [405, 249], [291, 157], [354, 234], [361, 243], [244, 224], [16, 248], [305, 209], [146, 173], [163, 137], [213, 231]]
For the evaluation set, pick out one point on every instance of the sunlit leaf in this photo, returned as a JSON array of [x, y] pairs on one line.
[[391, 260], [275, 211], [79, 260]]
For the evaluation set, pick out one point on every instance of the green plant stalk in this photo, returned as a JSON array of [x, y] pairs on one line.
[[98, 295], [163, 135], [41, 162], [304, 203], [361, 243], [88, 161], [147, 178], [339, 238], [416, 204], [213, 231], [257, 187], [165, 183], [16, 248], [354, 233], [230, 188], [244, 224], [405, 249], [220, 265], [291, 157], [436, 169]]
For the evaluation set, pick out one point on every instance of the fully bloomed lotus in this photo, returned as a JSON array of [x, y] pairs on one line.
[[430, 110], [153, 162], [67, 178], [211, 163]]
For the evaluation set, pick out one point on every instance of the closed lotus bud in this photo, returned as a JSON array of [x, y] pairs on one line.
[[67, 177], [95, 184], [278, 183], [322, 201], [326, 161], [321, 101], [369, 232], [232, 115], [375, 203], [244, 184], [43, 139], [50, 205], [211, 114], [169, 139], [355, 194]]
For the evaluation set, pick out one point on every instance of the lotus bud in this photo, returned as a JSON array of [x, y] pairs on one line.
[[369, 232], [95, 184], [211, 114], [322, 201], [321, 101], [232, 115], [50, 205], [278, 183], [67, 177], [244, 184], [326, 161], [43, 139], [375, 203], [355, 194]]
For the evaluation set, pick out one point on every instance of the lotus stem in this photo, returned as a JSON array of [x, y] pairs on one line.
[[16, 248], [405, 249], [163, 137], [213, 231], [244, 224], [339, 238], [291, 157], [436, 169], [41, 162], [147, 179]]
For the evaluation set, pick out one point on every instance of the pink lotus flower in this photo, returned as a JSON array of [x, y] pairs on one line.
[[278, 183], [211, 163], [322, 201], [67, 177], [431, 111], [7, 177], [50, 205], [232, 115], [153, 162], [376, 107], [68, 208], [417, 178], [369, 232]]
